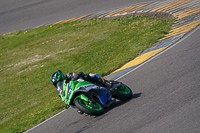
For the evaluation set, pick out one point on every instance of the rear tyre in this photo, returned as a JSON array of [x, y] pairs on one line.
[[89, 108], [123, 92]]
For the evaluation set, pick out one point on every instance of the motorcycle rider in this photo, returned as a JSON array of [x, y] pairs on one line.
[[58, 77]]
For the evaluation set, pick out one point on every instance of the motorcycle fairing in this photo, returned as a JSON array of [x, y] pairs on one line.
[[84, 86], [104, 96]]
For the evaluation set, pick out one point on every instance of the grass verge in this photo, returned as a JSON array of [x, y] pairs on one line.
[[29, 57]]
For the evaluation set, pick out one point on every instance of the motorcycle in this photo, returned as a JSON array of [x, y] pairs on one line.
[[91, 98]]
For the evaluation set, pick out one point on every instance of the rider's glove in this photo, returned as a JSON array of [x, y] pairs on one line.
[[78, 75], [92, 75], [81, 74]]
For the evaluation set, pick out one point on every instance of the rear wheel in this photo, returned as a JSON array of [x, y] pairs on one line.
[[89, 108], [123, 92]]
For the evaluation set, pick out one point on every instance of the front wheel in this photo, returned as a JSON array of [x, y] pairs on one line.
[[89, 108], [123, 92]]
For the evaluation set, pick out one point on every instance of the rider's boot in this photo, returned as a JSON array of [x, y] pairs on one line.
[[115, 85], [111, 102], [112, 84]]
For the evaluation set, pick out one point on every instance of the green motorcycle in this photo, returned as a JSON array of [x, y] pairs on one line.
[[92, 98]]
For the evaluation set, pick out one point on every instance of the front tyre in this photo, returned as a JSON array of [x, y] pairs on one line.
[[89, 108], [123, 92]]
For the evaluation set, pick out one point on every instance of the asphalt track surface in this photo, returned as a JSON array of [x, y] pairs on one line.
[[167, 86], [167, 100], [25, 14]]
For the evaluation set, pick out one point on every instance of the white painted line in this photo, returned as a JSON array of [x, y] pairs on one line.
[[45, 121], [187, 35]]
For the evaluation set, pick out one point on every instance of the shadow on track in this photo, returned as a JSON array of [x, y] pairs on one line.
[[120, 102]]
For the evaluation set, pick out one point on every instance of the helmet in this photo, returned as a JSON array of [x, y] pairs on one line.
[[56, 77]]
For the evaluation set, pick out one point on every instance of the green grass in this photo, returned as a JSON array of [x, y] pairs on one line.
[[28, 58]]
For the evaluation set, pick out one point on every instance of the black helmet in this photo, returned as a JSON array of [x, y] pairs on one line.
[[56, 77]]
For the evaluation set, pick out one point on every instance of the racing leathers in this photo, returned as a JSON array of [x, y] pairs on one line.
[[90, 77]]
